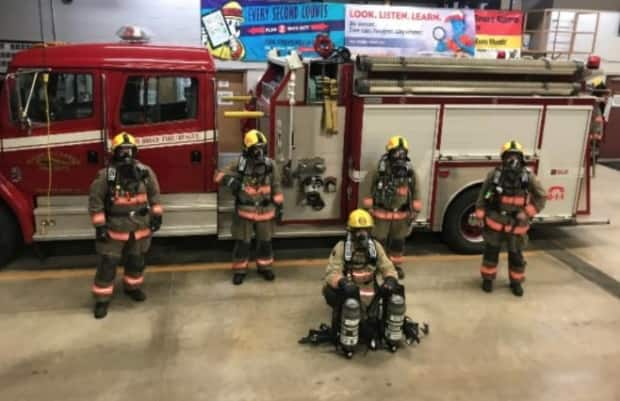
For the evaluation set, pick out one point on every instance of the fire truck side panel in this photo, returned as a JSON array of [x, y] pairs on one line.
[[417, 123], [15, 199], [311, 141], [561, 172], [478, 131]]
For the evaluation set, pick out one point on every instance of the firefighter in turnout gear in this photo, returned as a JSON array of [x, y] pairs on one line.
[[125, 209], [364, 310], [255, 184], [510, 196], [351, 274], [394, 201]]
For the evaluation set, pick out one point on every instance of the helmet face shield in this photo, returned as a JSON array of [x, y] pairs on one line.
[[257, 151], [398, 154], [125, 154], [513, 160], [361, 235]]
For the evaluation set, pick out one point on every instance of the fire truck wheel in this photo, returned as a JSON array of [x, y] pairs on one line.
[[9, 235], [458, 232]]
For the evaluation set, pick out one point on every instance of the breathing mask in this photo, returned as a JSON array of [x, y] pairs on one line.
[[361, 237], [399, 162]]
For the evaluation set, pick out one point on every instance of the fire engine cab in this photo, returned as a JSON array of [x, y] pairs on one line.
[[327, 122]]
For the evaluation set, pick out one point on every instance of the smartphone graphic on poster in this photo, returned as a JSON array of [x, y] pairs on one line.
[[216, 27]]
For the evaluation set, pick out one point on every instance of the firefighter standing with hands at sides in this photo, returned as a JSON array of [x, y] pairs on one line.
[[125, 209], [394, 203], [255, 184], [510, 196]]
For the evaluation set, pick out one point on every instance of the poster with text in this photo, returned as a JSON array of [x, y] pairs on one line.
[[409, 31], [247, 30], [498, 30]]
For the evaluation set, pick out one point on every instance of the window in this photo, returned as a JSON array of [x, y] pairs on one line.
[[159, 99], [70, 96]]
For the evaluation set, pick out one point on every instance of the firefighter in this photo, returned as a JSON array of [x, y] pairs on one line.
[[394, 202], [255, 184], [125, 210], [352, 271], [510, 196]]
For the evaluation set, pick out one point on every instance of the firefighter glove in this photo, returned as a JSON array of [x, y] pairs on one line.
[[156, 221], [234, 184], [101, 233], [389, 284], [348, 288]]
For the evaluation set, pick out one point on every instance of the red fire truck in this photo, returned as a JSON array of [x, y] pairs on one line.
[[327, 121]]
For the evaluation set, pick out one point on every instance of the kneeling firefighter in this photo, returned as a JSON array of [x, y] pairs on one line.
[[255, 184], [125, 210], [394, 201], [361, 307], [510, 196]]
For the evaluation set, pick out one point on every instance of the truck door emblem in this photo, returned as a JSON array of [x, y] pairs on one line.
[[555, 193]]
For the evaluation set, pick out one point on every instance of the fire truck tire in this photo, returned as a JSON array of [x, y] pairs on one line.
[[456, 232], [9, 235]]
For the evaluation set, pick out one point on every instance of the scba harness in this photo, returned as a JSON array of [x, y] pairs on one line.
[[388, 183], [348, 328], [115, 190]]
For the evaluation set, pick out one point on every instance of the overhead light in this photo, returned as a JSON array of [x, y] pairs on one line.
[[133, 34], [594, 62]]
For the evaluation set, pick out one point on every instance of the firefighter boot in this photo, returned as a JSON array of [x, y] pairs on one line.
[[487, 285], [267, 274], [101, 309], [238, 278], [516, 288], [136, 294]]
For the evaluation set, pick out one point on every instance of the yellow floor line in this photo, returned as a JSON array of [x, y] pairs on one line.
[[197, 267]]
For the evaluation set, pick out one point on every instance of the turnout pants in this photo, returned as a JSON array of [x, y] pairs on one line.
[[111, 252], [392, 235], [490, 256], [242, 232]]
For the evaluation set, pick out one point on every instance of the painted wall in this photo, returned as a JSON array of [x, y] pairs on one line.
[[610, 5], [170, 21], [608, 42]]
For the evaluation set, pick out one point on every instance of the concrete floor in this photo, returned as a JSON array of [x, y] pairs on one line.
[[200, 338]]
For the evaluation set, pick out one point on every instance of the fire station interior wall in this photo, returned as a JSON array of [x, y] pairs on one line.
[[311, 141], [607, 40], [475, 131], [563, 147], [416, 123], [230, 137], [173, 22]]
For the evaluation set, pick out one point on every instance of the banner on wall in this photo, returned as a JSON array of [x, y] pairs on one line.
[[408, 31], [247, 30], [498, 30]]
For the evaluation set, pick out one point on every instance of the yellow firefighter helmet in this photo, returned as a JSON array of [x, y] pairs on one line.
[[253, 137], [359, 218], [396, 142], [124, 139], [512, 147]]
